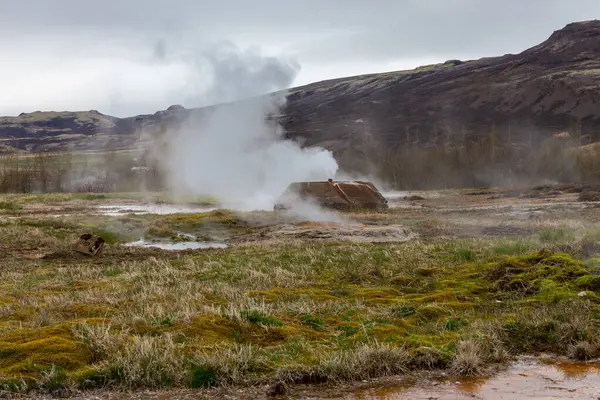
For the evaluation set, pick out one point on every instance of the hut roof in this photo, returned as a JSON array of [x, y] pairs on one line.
[[354, 194]]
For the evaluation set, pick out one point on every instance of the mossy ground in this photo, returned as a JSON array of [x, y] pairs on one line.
[[296, 311]]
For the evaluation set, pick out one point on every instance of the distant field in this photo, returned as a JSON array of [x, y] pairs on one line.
[[77, 158]]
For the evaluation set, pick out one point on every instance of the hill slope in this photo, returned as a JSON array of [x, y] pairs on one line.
[[521, 99]]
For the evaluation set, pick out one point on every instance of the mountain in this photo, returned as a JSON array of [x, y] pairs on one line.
[[521, 99], [547, 89]]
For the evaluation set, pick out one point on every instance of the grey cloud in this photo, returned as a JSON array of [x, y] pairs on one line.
[[378, 28], [171, 39]]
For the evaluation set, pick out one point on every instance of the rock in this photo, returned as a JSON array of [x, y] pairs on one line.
[[414, 198], [582, 294], [88, 244]]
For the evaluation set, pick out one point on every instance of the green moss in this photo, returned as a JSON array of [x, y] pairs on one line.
[[29, 352], [588, 282], [527, 274]]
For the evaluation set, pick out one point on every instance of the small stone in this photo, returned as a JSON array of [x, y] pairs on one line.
[[582, 294]]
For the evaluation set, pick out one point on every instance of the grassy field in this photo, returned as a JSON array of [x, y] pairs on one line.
[[281, 310]]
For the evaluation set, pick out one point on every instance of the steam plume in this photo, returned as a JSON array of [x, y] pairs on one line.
[[236, 153]]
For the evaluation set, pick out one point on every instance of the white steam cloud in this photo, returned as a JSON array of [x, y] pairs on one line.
[[235, 152]]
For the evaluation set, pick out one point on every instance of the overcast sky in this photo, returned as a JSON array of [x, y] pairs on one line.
[[128, 57]]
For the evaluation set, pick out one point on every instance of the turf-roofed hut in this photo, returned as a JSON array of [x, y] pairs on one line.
[[341, 195]]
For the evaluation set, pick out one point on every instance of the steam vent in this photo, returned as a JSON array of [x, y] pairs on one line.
[[343, 195]]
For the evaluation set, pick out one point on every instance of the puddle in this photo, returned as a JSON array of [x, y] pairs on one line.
[[523, 380], [177, 245], [159, 209]]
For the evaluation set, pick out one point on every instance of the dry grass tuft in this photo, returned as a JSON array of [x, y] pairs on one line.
[[148, 361], [468, 359], [583, 351], [366, 362], [235, 365]]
